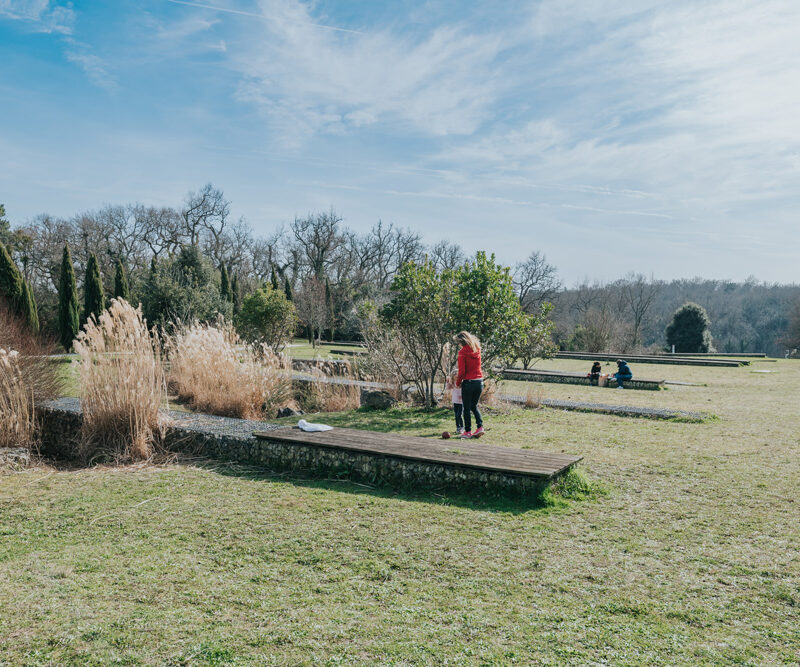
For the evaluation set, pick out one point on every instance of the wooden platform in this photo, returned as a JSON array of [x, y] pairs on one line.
[[541, 375], [477, 455]]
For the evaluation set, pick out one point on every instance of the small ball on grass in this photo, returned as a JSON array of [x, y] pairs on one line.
[[445, 435]]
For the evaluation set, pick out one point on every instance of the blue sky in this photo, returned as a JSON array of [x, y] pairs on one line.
[[656, 137]]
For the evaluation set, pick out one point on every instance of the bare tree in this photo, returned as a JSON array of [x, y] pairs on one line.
[[163, 230], [317, 238], [205, 212], [312, 308], [636, 295], [446, 256], [536, 282]]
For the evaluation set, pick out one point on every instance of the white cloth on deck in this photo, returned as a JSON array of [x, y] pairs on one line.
[[303, 425]]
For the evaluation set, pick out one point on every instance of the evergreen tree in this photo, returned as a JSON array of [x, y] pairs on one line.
[[11, 282], [224, 284], [237, 298], [274, 279], [30, 312], [121, 289], [68, 322], [93, 296], [690, 329], [287, 288]]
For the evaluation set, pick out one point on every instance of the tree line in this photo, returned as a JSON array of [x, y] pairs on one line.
[[194, 261]]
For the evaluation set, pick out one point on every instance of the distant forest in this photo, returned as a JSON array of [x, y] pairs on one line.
[[745, 316]]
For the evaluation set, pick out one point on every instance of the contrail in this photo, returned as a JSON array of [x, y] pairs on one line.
[[260, 16]]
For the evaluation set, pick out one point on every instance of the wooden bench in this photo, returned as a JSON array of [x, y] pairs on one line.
[[574, 378], [415, 461]]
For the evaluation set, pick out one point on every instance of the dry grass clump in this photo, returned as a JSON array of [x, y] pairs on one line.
[[325, 394], [209, 369], [122, 384], [534, 397], [27, 377], [16, 403]]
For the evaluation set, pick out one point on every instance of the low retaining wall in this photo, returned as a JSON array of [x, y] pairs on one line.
[[663, 359], [233, 440], [574, 378]]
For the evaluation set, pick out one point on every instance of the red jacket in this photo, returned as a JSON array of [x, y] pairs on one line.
[[469, 365]]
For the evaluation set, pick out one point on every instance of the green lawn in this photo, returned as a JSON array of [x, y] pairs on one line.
[[690, 557]]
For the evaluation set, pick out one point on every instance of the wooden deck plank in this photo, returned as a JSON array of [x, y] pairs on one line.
[[464, 453]]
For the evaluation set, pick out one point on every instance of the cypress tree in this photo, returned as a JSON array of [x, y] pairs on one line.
[[224, 283], [274, 279], [93, 296], [68, 322], [29, 311], [237, 301], [287, 288], [11, 282], [121, 289]]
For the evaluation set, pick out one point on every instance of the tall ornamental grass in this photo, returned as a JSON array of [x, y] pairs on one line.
[[325, 394], [16, 403], [211, 370], [28, 376], [122, 385]]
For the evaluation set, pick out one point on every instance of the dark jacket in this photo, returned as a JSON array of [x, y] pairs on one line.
[[624, 370]]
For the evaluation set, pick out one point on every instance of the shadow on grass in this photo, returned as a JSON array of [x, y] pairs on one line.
[[571, 486]]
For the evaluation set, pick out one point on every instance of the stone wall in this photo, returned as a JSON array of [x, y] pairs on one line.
[[566, 378], [233, 440]]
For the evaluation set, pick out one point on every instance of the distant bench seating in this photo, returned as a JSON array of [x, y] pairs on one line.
[[575, 378], [413, 461]]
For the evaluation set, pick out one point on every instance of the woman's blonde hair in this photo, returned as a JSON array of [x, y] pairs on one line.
[[466, 338]]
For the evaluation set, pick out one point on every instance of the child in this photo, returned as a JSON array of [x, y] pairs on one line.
[[594, 374], [458, 404]]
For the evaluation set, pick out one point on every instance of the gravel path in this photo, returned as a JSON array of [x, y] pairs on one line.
[[191, 421], [603, 408]]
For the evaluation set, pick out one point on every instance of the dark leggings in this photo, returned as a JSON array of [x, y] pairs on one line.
[[470, 393], [458, 409]]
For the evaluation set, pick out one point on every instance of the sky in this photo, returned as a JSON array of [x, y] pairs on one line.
[[657, 137]]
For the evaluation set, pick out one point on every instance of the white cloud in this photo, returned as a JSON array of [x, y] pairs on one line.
[[443, 83], [94, 67], [691, 105], [41, 15]]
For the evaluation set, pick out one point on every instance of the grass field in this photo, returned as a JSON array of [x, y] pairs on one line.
[[689, 557]]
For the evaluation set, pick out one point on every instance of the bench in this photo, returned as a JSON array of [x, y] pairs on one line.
[[415, 461], [574, 378]]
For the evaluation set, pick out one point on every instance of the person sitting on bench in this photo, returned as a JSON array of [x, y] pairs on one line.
[[594, 374], [623, 373]]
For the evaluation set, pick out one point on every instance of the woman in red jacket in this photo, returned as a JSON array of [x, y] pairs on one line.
[[470, 379]]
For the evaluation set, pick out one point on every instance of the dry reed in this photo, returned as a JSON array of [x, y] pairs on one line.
[[28, 375], [122, 385], [16, 403], [533, 398], [209, 369], [326, 394]]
